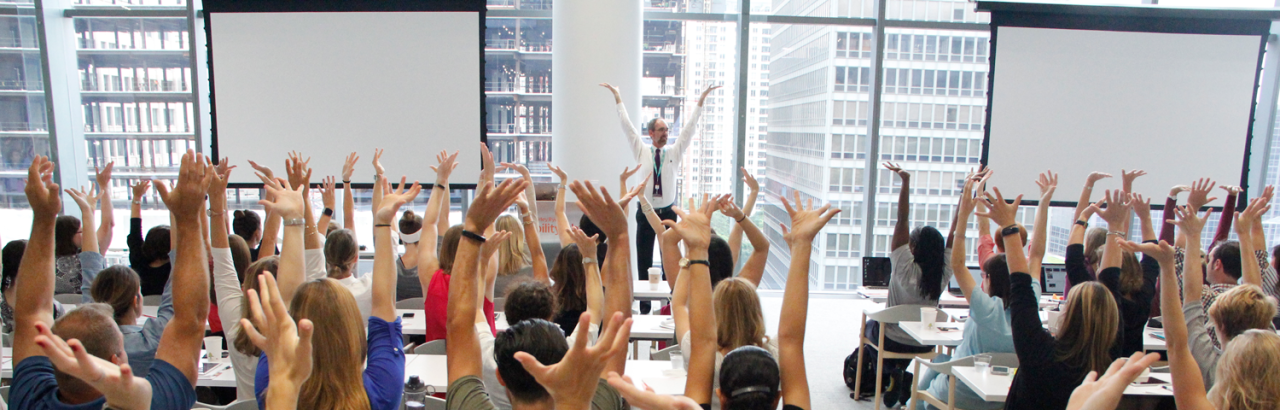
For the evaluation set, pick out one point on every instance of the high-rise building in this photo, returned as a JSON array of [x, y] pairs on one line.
[[24, 126]]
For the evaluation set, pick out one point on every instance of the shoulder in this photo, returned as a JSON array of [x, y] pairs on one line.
[[170, 388], [467, 393], [902, 255], [607, 398]]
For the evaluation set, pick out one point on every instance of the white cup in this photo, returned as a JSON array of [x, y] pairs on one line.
[[655, 277], [1053, 317], [677, 360], [927, 316], [213, 345], [982, 362]]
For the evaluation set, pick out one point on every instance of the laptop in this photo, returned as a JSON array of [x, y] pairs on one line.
[[1053, 278], [876, 272]]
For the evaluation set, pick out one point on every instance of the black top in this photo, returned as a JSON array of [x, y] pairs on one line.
[[568, 320], [153, 278], [253, 253], [1135, 309], [1041, 383]]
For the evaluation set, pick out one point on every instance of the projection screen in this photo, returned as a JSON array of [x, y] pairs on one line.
[[334, 82], [1111, 95]]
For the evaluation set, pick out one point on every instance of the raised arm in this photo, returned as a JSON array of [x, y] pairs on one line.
[[530, 193], [35, 281], [348, 199], [85, 200], [286, 343], [958, 254], [182, 338], [1085, 193], [695, 230], [628, 129], [1171, 202], [428, 258], [1116, 214], [1142, 208], [735, 233], [271, 225], [806, 222], [753, 270], [1246, 221], [1048, 183], [669, 243], [1228, 213], [538, 259], [680, 300], [299, 172], [902, 228], [1198, 198], [384, 264], [562, 221], [690, 125], [616, 272], [107, 228], [328, 197], [594, 287]]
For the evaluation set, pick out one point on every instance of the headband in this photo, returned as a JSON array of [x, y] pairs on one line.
[[411, 237], [751, 389]]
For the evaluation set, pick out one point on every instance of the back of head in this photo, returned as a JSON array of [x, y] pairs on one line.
[[240, 255], [409, 222], [997, 271], [999, 237], [513, 254], [749, 380], [449, 248], [529, 299], [541, 339], [739, 319], [1245, 374], [156, 245], [264, 266], [1088, 328], [1275, 255], [1242, 308], [119, 287], [64, 232], [570, 280], [929, 247], [591, 229], [1094, 238], [1131, 279], [721, 259], [1228, 253], [338, 351], [91, 324], [10, 259], [245, 223], [339, 250]]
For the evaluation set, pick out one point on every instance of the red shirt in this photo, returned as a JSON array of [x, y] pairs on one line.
[[436, 307]]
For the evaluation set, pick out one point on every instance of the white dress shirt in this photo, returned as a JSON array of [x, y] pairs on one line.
[[671, 156]]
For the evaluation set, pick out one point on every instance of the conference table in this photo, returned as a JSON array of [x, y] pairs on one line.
[[947, 334], [995, 388], [643, 290], [643, 327]]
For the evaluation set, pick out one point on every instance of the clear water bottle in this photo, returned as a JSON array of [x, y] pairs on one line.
[[415, 394]]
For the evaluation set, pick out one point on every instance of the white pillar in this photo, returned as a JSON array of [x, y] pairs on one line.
[[596, 41]]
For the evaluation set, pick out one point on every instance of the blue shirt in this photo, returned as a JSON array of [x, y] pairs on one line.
[[383, 372], [986, 331], [35, 388], [140, 341]]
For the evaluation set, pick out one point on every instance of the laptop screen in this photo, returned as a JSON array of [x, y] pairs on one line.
[[876, 272], [1053, 278]]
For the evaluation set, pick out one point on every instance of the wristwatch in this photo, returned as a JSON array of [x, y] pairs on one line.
[[328, 212], [1009, 230], [294, 221], [588, 260], [686, 262]]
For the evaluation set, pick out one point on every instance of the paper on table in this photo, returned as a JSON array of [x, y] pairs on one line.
[[666, 385]]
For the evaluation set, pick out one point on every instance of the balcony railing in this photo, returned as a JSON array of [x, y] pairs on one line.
[[18, 85], [134, 85], [16, 42], [501, 3], [665, 47], [23, 126], [500, 43], [500, 86], [536, 46]]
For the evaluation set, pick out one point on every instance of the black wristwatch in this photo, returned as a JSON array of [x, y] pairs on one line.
[[1009, 230], [328, 212], [473, 235], [1081, 222], [685, 263]]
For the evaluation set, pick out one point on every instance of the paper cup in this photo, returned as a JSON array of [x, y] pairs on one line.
[[928, 316], [213, 345], [677, 360]]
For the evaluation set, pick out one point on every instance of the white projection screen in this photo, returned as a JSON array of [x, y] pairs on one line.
[[1109, 96], [334, 82]]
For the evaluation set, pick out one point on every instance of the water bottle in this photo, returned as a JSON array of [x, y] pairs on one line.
[[415, 394]]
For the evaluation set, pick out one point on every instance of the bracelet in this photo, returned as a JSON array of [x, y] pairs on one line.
[[528, 221], [562, 185], [1081, 222], [1116, 233], [744, 217], [346, 181], [382, 225], [137, 202], [473, 235], [294, 221], [587, 260]]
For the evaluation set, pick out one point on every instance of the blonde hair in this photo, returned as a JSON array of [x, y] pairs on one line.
[[1090, 324], [338, 350], [1094, 238], [1246, 374], [1131, 279], [1242, 308], [513, 253], [739, 320]]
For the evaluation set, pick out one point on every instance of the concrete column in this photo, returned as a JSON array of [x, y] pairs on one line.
[[62, 96]]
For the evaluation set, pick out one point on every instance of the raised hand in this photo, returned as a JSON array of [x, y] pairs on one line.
[[116, 382], [490, 201], [42, 194], [349, 167], [1162, 251], [521, 169], [85, 199], [492, 243], [729, 209], [750, 180], [1247, 219], [103, 176], [1004, 214], [448, 163], [187, 196], [1190, 223], [617, 94], [572, 381], [1095, 177], [486, 161], [284, 201], [1231, 189], [564, 179], [967, 202], [328, 192], [259, 169], [606, 213], [707, 92], [897, 169], [805, 220], [1200, 193], [1127, 177], [1104, 393], [586, 244], [140, 189], [628, 172], [1178, 189], [298, 170], [636, 191], [695, 225], [1117, 210], [1268, 192], [286, 343], [393, 200], [1141, 206], [1047, 182], [221, 176]]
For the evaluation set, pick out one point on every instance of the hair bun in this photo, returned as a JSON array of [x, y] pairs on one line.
[[238, 213], [408, 214]]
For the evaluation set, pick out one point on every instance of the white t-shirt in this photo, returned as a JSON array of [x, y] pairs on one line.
[[362, 289]]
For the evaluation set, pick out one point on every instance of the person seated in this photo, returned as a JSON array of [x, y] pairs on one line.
[[988, 328], [92, 369], [410, 232], [436, 284], [10, 259]]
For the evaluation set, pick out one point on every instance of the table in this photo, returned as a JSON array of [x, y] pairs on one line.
[[933, 336], [882, 295], [1150, 343], [643, 290], [643, 327], [994, 388], [416, 325]]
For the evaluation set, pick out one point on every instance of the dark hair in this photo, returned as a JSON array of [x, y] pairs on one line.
[[590, 229], [721, 259], [529, 299], [246, 223], [753, 370], [410, 223], [648, 126], [1228, 252], [541, 339], [117, 286], [1275, 254], [64, 233], [929, 247], [339, 249], [10, 259], [156, 246], [996, 268], [570, 280], [449, 248], [264, 266]]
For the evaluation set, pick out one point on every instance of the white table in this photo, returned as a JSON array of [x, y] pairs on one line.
[[643, 327], [643, 290], [882, 295], [416, 325], [1150, 343], [933, 336], [994, 388]]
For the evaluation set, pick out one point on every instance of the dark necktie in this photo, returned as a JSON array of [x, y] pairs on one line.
[[657, 172]]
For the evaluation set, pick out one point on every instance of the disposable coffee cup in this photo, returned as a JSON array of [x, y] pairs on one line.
[[213, 345]]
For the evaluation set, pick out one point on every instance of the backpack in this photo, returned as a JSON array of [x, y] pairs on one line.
[[868, 372]]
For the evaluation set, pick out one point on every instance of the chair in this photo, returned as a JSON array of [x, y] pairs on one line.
[[248, 404], [432, 347], [434, 403], [4, 393], [499, 304], [918, 393], [153, 300], [411, 303], [69, 298], [8, 339], [893, 315], [664, 354]]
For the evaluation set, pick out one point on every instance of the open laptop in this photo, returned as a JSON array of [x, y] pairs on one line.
[[1053, 278], [876, 272]]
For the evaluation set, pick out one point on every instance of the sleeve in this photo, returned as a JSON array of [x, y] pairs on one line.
[[384, 368], [90, 264], [261, 379], [607, 398], [1150, 274], [1198, 340], [1269, 277], [1110, 277], [686, 134], [488, 316], [467, 393], [134, 240], [486, 338], [1077, 272], [1228, 216], [154, 328], [226, 286], [632, 133], [1179, 256], [1033, 344], [1166, 228], [313, 263], [986, 248], [170, 389]]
